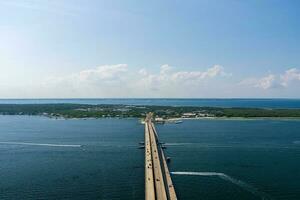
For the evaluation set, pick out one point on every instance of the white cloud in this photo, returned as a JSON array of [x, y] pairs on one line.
[[106, 81], [214, 71], [143, 72], [118, 80], [164, 69], [121, 81], [289, 76], [273, 81], [168, 78], [102, 73], [267, 82]]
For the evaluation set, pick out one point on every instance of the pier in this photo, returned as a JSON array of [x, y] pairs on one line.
[[158, 182]]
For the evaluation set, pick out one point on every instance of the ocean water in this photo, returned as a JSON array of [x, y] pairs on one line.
[[234, 159], [42, 158], [257, 103]]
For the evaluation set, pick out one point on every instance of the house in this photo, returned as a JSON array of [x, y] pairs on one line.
[[188, 115]]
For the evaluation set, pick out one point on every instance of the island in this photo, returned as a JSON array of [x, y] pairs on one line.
[[161, 113]]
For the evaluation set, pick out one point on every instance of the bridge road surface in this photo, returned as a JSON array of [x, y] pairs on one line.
[[158, 182], [149, 179]]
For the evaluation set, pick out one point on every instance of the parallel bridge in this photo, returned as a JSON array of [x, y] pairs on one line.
[[158, 182]]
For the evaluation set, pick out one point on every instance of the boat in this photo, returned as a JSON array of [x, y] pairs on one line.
[[168, 159], [178, 122], [174, 121]]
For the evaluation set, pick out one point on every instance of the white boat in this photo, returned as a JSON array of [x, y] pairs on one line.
[[178, 122]]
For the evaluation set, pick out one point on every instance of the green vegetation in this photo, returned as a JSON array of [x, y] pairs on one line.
[[122, 111]]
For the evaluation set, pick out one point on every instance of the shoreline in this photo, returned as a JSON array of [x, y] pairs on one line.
[[169, 120], [163, 114], [242, 118]]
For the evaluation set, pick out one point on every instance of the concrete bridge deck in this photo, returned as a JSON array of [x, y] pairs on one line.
[[158, 182]]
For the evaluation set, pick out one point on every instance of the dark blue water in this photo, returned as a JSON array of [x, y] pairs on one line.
[[258, 103], [260, 159], [107, 165], [42, 158]]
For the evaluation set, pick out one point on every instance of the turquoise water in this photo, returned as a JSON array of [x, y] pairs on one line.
[[256, 103], [42, 158]]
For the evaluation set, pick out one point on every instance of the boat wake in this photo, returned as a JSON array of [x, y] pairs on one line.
[[41, 144], [177, 144], [228, 178]]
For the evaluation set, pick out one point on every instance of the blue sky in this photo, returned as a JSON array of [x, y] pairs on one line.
[[126, 48]]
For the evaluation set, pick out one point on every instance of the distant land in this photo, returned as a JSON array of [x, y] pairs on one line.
[[139, 111], [203, 102]]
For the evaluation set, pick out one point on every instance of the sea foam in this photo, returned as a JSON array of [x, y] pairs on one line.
[[41, 144]]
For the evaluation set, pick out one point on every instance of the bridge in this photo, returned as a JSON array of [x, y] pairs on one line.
[[158, 182]]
